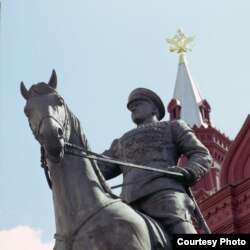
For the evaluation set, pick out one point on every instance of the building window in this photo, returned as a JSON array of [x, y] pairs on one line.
[[176, 113]]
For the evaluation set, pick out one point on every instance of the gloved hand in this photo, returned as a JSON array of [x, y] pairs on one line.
[[186, 178]]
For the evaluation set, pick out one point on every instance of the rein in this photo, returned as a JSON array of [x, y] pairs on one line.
[[82, 152], [45, 167]]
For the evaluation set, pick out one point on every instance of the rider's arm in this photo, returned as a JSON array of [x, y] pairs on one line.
[[199, 158], [110, 170]]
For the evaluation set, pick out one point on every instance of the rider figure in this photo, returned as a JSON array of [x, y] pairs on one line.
[[158, 144]]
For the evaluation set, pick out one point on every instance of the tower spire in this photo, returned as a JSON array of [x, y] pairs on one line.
[[187, 103]]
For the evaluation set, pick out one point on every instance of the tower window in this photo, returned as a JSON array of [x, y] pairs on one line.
[[176, 113]]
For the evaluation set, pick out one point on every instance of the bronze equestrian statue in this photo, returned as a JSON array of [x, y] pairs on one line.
[[87, 215], [158, 144]]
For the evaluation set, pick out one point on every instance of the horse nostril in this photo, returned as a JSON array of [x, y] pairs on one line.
[[60, 132]]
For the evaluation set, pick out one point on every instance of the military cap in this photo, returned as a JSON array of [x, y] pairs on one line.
[[146, 94]]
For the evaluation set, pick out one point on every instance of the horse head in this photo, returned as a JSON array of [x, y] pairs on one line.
[[48, 117]]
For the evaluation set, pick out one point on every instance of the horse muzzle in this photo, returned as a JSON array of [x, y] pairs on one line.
[[54, 152], [51, 138]]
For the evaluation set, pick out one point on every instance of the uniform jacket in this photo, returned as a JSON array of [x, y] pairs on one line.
[[157, 145]]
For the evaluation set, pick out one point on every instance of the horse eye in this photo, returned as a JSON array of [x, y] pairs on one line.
[[60, 101]]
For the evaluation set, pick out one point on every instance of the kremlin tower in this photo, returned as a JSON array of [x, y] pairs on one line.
[[224, 194]]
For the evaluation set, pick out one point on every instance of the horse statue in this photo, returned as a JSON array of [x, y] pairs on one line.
[[87, 215]]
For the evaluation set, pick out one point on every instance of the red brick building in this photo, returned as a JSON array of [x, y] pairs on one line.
[[228, 209], [224, 194]]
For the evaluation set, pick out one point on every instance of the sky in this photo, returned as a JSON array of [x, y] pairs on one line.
[[101, 51]]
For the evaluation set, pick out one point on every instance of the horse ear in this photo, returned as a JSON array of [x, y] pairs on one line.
[[24, 91], [53, 80]]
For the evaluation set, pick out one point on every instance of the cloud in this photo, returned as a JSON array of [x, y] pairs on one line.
[[23, 238]]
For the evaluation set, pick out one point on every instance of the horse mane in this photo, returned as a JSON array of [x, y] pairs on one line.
[[79, 132], [40, 89], [78, 129]]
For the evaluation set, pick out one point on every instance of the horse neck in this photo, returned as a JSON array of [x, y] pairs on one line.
[[77, 192]]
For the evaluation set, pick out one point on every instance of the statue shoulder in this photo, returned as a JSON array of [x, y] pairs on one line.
[[111, 152], [179, 125]]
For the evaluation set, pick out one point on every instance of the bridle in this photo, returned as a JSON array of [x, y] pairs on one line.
[[51, 117], [65, 130], [64, 126]]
